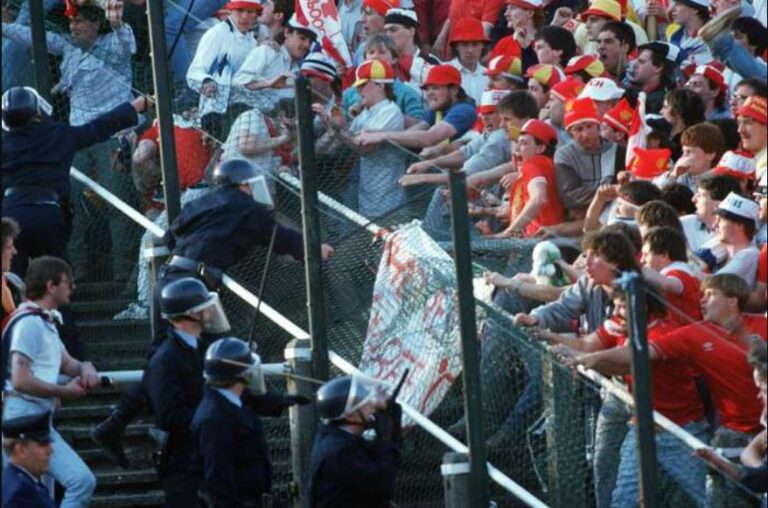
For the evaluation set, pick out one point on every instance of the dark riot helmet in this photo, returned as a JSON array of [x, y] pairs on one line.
[[21, 104], [230, 359], [188, 296], [234, 172], [342, 396]]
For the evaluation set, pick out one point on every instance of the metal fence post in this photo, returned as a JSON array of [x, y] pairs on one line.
[[164, 108], [298, 354], [632, 285], [40, 49], [310, 219], [473, 402], [155, 253], [455, 471]]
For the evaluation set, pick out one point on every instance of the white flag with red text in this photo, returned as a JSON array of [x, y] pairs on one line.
[[323, 16], [638, 131]]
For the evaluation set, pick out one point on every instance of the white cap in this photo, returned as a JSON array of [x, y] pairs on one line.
[[602, 89], [738, 163], [295, 23], [492, 97], [738, 208]]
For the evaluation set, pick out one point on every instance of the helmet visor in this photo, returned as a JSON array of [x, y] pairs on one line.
[[260, 191], [254, 376], [361, 392], [214, 318]]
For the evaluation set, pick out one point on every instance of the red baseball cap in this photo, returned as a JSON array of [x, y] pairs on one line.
[[443, 75], [468, 30], [540, 130], [567, 90], [244, 4]]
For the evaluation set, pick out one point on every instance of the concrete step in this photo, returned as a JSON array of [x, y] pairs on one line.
[[106, 290], [150, 499], [98, 309], [112, 480], [108, 330]]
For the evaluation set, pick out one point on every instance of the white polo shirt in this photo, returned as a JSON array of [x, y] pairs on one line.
[[473, 82], [696, 232], [264, 63]]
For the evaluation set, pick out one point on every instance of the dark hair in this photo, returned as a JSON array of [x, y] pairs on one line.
[[667, 80], [758, 358], [640, 191], [706, 136], [719, 186], [10, 229], [729, 128], [384, 40], [669, 241], [687, 105], [285, 7], [623, 33], [615, 247], [520, 103], [655, 305], [558, 38], [680, 197], [731, 285], [758, 85], [43, 270], [702, 12], [659, 213], [550, 150], [753, 30], [629, 231]]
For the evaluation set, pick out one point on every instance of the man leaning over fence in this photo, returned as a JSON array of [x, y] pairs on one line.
[[37, 357]]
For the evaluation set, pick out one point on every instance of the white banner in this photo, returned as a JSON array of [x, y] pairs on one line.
[[324, 17], [414, 321]]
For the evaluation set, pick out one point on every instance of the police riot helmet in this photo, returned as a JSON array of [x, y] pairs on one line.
[[230, 359], [342, 396], [188, 296], [21, 104], [234, 172]]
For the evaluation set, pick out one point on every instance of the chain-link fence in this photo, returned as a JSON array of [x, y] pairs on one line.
[[560, 436]]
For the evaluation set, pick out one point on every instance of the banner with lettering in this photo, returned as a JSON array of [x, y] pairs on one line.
[[323, 16]]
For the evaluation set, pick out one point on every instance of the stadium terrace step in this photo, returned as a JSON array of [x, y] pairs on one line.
[[108, 330], [150, 499], [98, 291], [85, 310]]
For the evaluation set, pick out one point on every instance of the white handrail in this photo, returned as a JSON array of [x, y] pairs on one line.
[[228, 281]]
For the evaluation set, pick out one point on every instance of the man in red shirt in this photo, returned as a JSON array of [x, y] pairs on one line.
[[716, 348], [665, 267]]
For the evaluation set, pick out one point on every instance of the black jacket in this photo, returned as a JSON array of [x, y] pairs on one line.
[[174, 383], [40, 154], [349, 472], [221, 227], [233, 452]]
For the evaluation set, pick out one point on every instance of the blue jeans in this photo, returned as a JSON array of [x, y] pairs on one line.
[[66, 467], [725, 49], [181, 16], [17, 58], [610, 431], [687, 473]]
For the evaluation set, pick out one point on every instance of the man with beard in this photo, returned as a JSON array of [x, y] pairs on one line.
[[451, 114]]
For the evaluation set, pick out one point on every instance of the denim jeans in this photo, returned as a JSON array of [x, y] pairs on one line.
[[181, 16], [687, 473], [66, 467], [17, 58], [610, 431]]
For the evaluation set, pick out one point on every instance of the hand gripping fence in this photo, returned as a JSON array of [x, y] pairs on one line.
[[122, 377]]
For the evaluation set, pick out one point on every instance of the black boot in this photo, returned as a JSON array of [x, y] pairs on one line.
[[109, 436]]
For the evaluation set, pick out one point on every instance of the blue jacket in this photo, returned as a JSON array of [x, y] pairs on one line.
[[220, 228], [20, 490], [349, 472], [40, 154], [233, 452]]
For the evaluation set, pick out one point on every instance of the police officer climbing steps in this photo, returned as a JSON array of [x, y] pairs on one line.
[[37, 155], [27, 440], [348, 470], [211, 234]]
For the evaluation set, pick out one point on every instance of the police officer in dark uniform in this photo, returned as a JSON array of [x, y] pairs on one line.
[[37, 155], [174, 382], [234, 455], [27, 441], [211, 234], [348, 470]]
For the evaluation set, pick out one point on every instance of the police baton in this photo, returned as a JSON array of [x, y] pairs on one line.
[[262, 284]]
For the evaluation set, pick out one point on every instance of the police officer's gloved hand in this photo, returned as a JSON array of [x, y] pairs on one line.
[[294, 400], [388, 423]]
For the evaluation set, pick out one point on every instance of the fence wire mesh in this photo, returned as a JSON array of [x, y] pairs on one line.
[[558, 435]]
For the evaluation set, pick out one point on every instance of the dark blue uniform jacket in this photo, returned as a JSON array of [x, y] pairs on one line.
[[40, 154], [20, 490], [220, 228], [349, 472]]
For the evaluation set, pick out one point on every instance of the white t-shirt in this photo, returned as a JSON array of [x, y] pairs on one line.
[[696, 232], [474, 83], [744, 264], [37, 339], [264, 63]]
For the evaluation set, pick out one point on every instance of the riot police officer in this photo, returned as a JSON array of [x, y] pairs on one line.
[[348, 470], [234, 455], [174, 382], [37, 155], [218, 229]]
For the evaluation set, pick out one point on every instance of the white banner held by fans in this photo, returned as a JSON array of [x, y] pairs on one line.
[[323, 16], [414, 319]]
